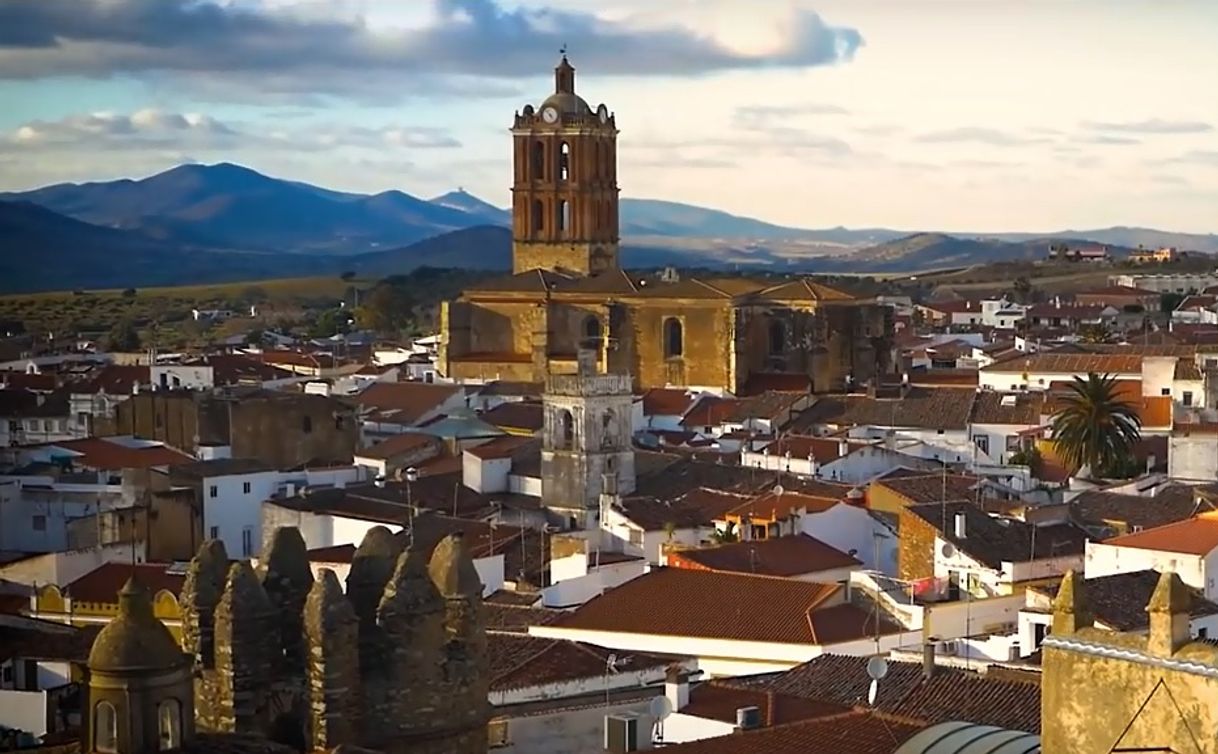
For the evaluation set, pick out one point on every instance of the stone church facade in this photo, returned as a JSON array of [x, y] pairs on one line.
[[568, 291]]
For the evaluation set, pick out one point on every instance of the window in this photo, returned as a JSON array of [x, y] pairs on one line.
[[983, 443], [564, 161], [169, 725], [215, 532], [105, 727], [1165, 391], [1203, 632], [636, 537], [592, 328], [673, 347], [339, 422], [608, 429], [247, 542], [213, 491], [538, 172], [566, 430], [563, 217], [539, 216], [1187, 398], [35, 425], [40, 523], [778, 338], [306, 424], [245, 487]]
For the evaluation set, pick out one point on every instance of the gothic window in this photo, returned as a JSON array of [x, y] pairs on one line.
[[539, 161], [673, 345], [564, 216], [306, 424], [169, 725], [592, 327], [105, 727], [778, 338], [566, 430], [539, 216], [564, 161]]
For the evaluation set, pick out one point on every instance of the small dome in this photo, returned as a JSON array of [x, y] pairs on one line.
[[135, 639], [566, 103]]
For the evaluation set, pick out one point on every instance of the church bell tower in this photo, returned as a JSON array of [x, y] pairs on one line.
[[564, 190]]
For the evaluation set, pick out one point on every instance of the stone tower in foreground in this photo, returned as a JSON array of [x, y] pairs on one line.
[[398, 663]]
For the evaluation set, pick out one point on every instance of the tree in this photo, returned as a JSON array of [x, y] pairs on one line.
[[123, 337], [1095, 334], [347, 276], [129, 293], [1169, 301], [1095, 427], [330, 322], [726, 534], [388, 307], [1022, 290], [670, 529]]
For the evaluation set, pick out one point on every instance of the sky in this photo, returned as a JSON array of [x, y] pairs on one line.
[[953, 115]]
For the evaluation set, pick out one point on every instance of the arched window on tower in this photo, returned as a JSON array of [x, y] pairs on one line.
[[673, 338], [608, 429], [539, 216], [564, 161], [778, 338], [105, 727], [538, 161], [563, 216], [565, 431], [169, 725], [592, 327]]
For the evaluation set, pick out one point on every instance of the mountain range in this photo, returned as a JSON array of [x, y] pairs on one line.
[[203, 223]]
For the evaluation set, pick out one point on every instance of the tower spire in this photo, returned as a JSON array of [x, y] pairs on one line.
[[564, 75]]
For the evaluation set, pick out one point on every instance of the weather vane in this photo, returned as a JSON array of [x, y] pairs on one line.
[[563, 50]]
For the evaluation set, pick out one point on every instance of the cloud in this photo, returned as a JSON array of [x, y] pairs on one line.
[[195, 132], [281, 48], [1207, 157], [977, 135], [1106, 140], [1151, 126]]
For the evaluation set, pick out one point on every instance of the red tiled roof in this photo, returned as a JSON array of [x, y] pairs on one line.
[[820, 449], [765, 382], [710, 411], [106, 455], [525, 415], [775, 506], [1194, 536], [664, 401], [719, 700], [115, 379], [103, 583], [949, 377], [501, 447], [520, 661], [779, 556], [409, 401], [1070, 363], [24, 381], [858, 732], [404, 443], [761, 608]]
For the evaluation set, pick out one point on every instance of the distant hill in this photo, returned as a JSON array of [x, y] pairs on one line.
[[927, 251], [43, 250], [467, 202], [484, 247]]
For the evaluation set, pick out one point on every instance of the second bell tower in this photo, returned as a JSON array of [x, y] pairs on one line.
[[564, 191]]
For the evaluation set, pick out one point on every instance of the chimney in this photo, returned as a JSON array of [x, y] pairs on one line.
[[843, 447], [748, 718], [960, 527], [928, 658], [1169, 610], [676, 688]]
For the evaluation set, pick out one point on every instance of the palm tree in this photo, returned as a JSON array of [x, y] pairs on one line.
[[1095, 427]]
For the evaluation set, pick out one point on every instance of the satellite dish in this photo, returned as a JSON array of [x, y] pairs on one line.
[[778, 490], [877, 668], [948, 550], [871, 692], [660, 707]]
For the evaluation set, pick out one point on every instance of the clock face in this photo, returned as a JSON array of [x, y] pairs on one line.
[[602, 112], [549, 115]]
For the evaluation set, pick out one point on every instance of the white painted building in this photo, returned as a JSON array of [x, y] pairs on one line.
[[1189, 548], [1183, 283]]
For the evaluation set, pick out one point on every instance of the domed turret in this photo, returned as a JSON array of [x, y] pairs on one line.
[[135, 640]]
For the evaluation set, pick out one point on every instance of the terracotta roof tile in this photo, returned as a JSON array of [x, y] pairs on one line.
[[711, 411], [991, 407], [1100, 508], [516, 619], [763, 382], [761, 609], [994, 540], [855, 732], [524, 415], [820, 449], [949, 694], [107, 455], [1194, 536], [103, 583], [406, 442], [779, 556], [774, 506], [521, 661], [921, 487], [1070, 363], [503, 447], [719, 700], [410, 401], [928, 408], [114, 379], [1119, 601], [697, 508], [943, 377], [664, 401]]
